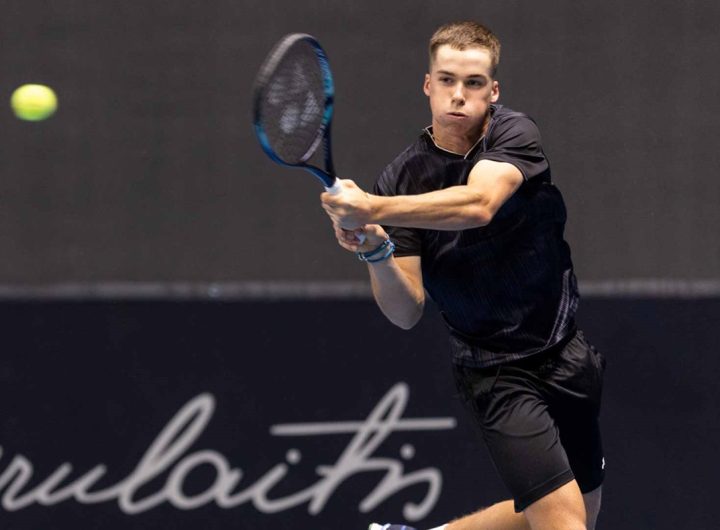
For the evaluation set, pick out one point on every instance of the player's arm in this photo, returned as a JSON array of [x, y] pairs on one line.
[[489, 185], [398, 289], [396, 282]]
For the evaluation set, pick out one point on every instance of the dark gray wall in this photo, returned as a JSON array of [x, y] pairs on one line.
[[150, 170]]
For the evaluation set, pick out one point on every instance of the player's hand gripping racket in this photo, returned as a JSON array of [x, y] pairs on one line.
[[293, 106]]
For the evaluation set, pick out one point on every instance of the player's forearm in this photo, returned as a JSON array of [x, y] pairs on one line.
[[398, 298], [455, 208]]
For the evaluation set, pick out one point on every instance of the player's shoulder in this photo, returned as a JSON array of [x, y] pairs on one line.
[[417, 150], [414, 156], [504, 117], [508, 124]]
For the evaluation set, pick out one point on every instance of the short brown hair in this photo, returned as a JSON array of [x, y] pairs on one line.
[[466, 34]]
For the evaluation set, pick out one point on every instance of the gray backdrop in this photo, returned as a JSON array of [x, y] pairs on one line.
[[150, 170]]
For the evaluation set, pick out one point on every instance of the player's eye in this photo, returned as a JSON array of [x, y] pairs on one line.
[[474, 83], [446, 80]]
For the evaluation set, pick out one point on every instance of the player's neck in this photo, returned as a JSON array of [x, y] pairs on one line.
[[459, 142]]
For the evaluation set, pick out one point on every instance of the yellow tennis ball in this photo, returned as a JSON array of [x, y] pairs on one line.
[[33, 102]]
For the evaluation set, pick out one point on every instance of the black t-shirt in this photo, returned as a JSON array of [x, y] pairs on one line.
[[506, 290]]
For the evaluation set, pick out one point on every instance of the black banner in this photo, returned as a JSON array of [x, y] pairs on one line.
[[311, 415]]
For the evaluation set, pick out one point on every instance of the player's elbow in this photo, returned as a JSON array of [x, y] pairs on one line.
[[476, 210], [406, 324], [476, 215], [409, 318]]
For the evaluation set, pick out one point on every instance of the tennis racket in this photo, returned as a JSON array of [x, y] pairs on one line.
[[293, 106]]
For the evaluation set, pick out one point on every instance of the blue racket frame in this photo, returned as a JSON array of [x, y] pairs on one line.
[[327, 175]]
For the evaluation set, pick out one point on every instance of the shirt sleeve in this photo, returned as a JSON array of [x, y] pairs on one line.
[[516, 140], [408, 241]]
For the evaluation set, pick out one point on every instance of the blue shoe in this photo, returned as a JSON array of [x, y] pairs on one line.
[[375, 526]]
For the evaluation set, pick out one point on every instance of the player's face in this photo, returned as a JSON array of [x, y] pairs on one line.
[[461, 89]]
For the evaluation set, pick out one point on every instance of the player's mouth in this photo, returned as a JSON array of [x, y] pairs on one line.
[[459, 115]]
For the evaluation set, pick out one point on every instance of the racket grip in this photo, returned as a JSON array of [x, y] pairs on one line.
[[360, 238], [336, 189]]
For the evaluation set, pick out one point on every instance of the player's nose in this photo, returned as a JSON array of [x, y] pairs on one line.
[[458, 94]]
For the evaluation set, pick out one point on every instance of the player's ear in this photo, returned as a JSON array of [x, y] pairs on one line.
[[495, 94], [426, 85]]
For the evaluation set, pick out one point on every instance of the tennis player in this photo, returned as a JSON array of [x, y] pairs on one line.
[[468, 213]]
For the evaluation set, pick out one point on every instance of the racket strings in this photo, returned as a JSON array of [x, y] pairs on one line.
[[292, 106]]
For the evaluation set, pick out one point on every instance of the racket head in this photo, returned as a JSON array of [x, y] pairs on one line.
[[293, 104]]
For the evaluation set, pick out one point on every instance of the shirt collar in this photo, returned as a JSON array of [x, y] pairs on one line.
[[429, 133]]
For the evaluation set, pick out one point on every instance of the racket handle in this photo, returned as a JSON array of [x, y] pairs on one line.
[[360, 238], [336, 189]]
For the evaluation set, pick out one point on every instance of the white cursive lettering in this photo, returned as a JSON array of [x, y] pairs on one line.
[[168, 455]]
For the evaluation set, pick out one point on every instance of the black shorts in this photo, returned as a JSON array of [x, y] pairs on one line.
[[539, 418]]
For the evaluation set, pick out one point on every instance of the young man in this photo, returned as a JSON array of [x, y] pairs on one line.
[[471, 216]]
